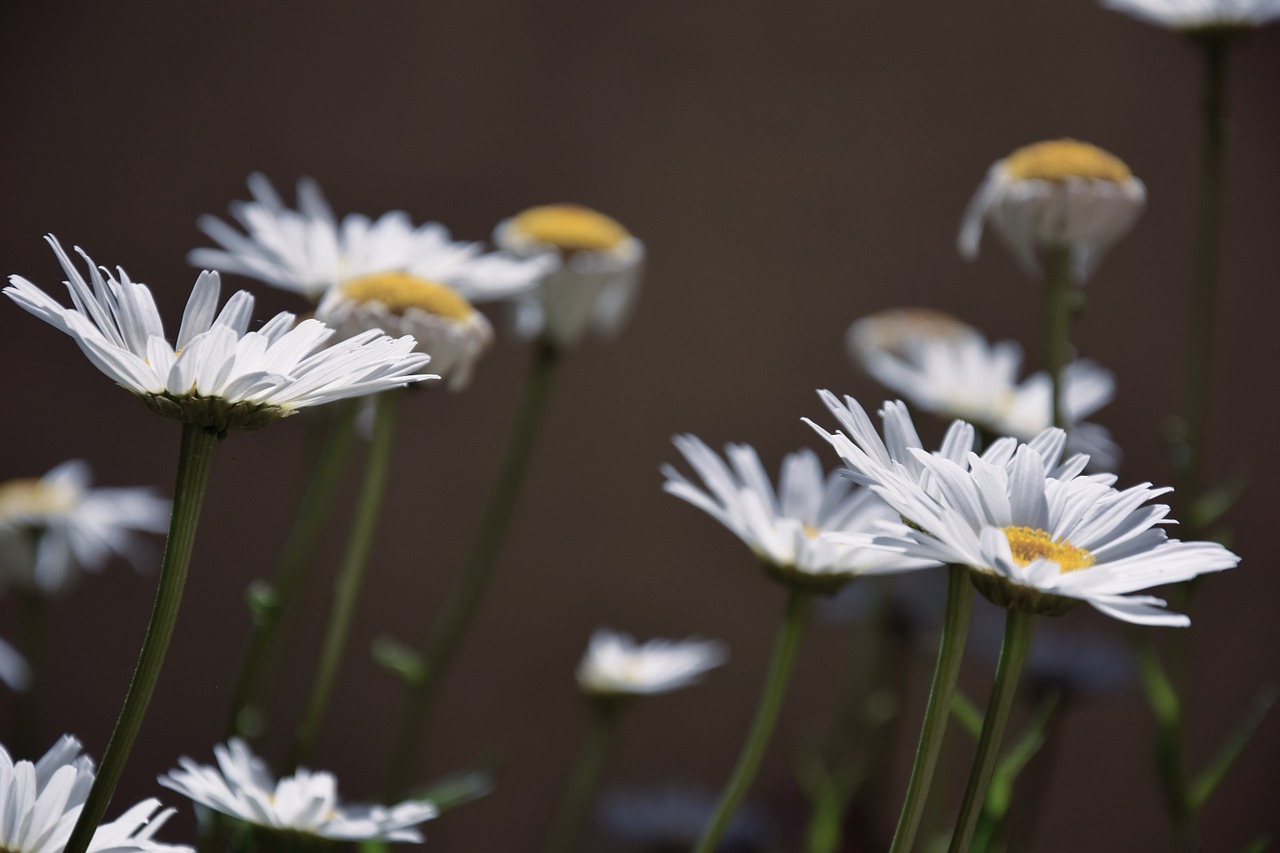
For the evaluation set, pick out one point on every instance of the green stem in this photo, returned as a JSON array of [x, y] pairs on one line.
[[586, 775], [290, 569], [346, 589], [456, 613], [1059, 281], [195, 458], [33, 616], [1017, 640], [784, 655], [955, 631]]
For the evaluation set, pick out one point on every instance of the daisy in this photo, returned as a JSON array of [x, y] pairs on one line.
[[597, 278], [615, 664], [218, 374], [1037, 535], [42, 801], [787, 529], [55, 525], [1060, 194], [948, 368], [1200, 15], [305, 803]]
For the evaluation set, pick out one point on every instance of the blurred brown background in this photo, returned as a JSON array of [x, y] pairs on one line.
[[791, 167]]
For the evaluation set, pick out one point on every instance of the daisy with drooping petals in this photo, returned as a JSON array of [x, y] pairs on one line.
[[1192, 16], [947, 368], [43, 800], [1060, 194], [616, 665], [305, 803], [55, 525], [598, 276], [218, 374]]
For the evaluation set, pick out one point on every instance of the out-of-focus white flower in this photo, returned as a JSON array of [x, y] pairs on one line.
[[672, 817], [1060, 194], [947, 368], [615, 664], [14, 670], [1036, 533], [787, 529], [218, 375], [42, 802], [55, 525], [305, 802], [1200, 15], [596, 282]]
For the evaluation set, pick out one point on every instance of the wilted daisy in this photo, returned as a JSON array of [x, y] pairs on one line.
[[218, 374], [787, 528], [947, 368], [597, 278], [1060, 194], [615, 664], [1200, 15], [305, 803], [55, 525], [1037, 535], [42, 801]]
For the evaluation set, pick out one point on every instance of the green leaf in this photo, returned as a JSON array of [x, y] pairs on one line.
[[1012, 763], [398, 659], [1257, 845], [966, 714], [1155, 683], [1212, 505], [1208, 781]]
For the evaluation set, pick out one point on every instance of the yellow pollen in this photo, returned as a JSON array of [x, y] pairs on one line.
[[810, 531], [570, 227], [400, 291], [1029, 544], [29, 496], [1060, 159]]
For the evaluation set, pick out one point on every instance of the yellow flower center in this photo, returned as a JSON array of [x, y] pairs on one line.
[[400, 291], [570, 228], [1060, 159], [810, 531], [31, 497], [1029, 544]]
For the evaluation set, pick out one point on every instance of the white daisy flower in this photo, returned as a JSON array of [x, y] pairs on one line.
[[1037, 534], [218, 374], [787, 529], [596, 282], [55, 525], [947, 368], [615, 664], [306, 802], [41, 802], [1200, 15], [1052, 195]]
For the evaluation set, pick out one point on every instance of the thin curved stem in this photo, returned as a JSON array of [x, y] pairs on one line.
[[586, 775], [346, 588], [1013, 654], [195, 459], [955, 631], [1059, 282], [784, 656], [468, 589], [33, 623]]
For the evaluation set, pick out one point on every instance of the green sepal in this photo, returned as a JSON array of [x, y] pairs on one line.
[[966, 714]]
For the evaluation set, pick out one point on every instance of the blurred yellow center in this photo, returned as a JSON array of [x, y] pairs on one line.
[[1060, 159], [810, 531], [570, 227], [400, 291], [30, 497], [1029, 544]]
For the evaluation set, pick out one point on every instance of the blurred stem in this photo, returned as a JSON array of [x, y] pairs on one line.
[[33, 624], [1013, 654], [195, 459], [955, 631], [1059, 282], [346, 589], [586, 774], [290, 568], [784, 655], [456, 613]]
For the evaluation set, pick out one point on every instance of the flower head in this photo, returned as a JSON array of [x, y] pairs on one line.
[[305, 802], [615, 664], [42, 802], [218, 374], [948, 368], [597, 277], [1037, 534], [52, 526], [1060, 194], [786, 528], [1193, 16]]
